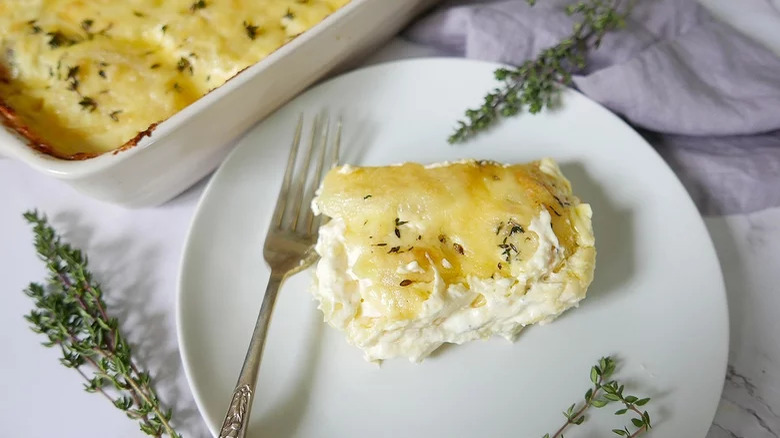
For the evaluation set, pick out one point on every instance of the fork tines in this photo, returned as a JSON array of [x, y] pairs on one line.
[[293, 211]]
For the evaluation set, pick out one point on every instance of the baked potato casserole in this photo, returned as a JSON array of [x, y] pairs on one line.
[[79, 78], [415, 256]]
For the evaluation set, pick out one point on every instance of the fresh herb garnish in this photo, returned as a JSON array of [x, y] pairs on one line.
[[164, 28], [600, 375], [184, 64], [87, 24], [177, 88], [200, 4], [155, 65], [34, 27], [367, 196], [70, 311], [534, 84], [102, 73], [563, 204], [289, 15], [115, 115], [251, 30], [394, 249], [458, 248], [73, 78], [507, 250], [139, 14], [59, 39], [88, 103]]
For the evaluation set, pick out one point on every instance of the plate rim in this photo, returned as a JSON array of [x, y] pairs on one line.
[[216, 176]]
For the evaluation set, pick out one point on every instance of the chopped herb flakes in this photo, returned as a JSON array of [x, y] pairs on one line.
[[458, 248], [115, 115], [59, 39], [398, 223], [563, 204], [73, 72], [34, 27], [184, 64], [406, 282], [200, 4], [251, 30], [87, 103], [72, 77], [289, 15]]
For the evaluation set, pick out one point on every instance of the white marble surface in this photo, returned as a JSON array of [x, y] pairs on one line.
[[135, 253]]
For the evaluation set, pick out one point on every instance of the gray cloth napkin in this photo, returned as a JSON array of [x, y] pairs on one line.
[[706, 96]]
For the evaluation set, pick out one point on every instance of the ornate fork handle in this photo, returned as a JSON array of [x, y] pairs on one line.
[[236, 420], [288, 249], [238, 415]]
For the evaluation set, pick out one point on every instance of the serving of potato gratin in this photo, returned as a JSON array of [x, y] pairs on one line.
[[83, 77], [415, 256]]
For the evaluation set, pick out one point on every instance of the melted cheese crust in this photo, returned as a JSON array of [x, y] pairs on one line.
[[415, 256], [86, 76]]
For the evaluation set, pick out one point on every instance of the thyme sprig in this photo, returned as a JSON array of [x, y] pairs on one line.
[[535, 84], [71, 313], [605, 390]]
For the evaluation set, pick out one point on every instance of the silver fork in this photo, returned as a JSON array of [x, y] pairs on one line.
[[288, 249]]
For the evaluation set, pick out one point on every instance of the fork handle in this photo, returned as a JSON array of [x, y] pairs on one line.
[[236, 420]]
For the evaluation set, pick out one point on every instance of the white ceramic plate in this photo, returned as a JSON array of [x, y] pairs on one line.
[[657, 302]]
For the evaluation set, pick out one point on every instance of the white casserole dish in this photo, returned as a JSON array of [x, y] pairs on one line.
[[191, 143]]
